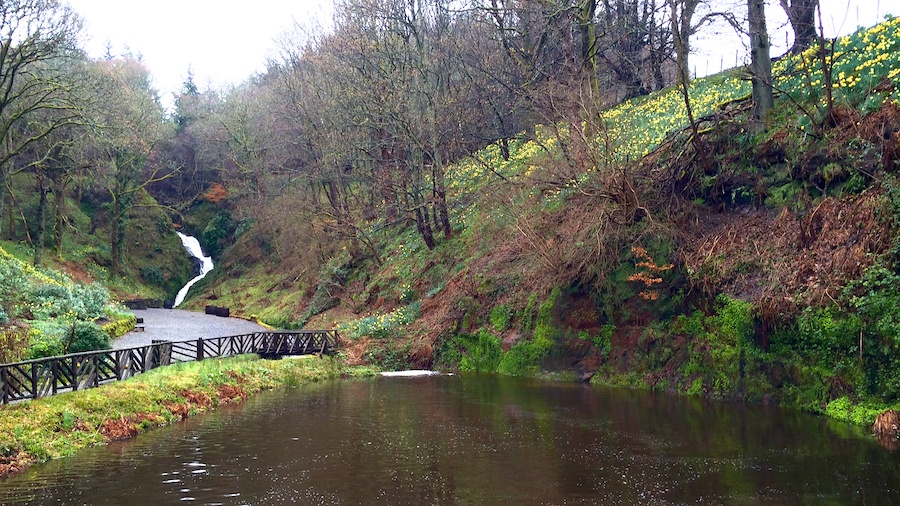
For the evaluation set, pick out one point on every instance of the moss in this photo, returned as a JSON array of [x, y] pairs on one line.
[[860, 413], [526, 356], [120, 327]]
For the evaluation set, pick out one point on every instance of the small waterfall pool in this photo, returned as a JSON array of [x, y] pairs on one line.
[[192, 245]]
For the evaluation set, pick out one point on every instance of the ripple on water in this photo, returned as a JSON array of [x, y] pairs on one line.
[[473, 441]]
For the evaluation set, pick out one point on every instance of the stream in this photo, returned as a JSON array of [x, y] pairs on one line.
[[476, 439], [192, 245]]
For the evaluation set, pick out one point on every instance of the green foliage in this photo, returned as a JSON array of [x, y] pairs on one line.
[[380, 326], [219, 229], [13, 282], [734, 320], [152, 275], [13, 343], [527, 316], [501, 317], [603, 340], [862, 413], [875, 301], [120, 327], [785, 195], [332, 274], [474, 353], [68, 301], [45, 340], [526, 356], [389, 356], [87, 336]]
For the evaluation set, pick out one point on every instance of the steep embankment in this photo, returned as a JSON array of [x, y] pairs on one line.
[[69, 303], [738, 264]]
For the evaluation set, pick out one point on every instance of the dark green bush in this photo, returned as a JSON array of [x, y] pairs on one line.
[[87, 336], [152, 275], [478, 353]]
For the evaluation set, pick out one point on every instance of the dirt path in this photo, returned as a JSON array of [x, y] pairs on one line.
[[180, 325]]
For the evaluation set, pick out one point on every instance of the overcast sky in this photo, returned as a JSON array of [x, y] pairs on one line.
[[226, 41]]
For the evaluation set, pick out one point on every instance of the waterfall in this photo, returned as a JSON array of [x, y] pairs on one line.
[[193, 246]]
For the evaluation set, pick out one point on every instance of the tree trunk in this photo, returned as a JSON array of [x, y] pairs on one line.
[[591, 90], [60, 216], [41, 221], [760, 63], [802, 16], [440, 195], [682, 17], [2, 194], [115, 237], [424, 227], [386, 179]]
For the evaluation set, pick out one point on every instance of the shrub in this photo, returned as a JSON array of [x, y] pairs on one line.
[[479, 353], [380, 326], [87, 336], [45, 339], [526, 356], [74, 302], [217, 232], [13, 343], [13, 282], [501, 317], [120, 327], [152, 275]]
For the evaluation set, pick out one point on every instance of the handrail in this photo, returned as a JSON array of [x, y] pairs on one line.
[[40, 377]]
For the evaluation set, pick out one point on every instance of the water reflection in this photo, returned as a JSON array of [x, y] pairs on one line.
[[476, 440]]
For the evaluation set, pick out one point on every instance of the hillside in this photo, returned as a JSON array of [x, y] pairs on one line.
[[72, 302], [767, 272]]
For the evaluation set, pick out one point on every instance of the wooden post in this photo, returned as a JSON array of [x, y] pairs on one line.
[[200, 349], [96, 360], [54, 374], [74, 371], [4, 378], [34, 381]]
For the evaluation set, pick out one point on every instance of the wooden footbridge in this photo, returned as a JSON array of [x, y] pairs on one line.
[[42, 377]]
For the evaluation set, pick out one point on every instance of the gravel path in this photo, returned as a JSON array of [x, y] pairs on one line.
[[180, 325]]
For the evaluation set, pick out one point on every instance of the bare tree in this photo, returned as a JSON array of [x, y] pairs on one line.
[[802, 16], [128, 124], [760, 63], [37, 49]]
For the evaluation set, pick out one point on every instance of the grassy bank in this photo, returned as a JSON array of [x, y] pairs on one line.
[[58, 426]]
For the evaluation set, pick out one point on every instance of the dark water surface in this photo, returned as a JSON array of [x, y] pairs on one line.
[[476, 440]]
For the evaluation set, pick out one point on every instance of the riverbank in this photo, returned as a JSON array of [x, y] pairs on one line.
[[54, 427]]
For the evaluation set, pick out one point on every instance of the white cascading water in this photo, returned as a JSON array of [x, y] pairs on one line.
[[206, 264]]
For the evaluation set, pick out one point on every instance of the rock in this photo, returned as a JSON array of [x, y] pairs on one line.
[[586, 377], [887, 423]]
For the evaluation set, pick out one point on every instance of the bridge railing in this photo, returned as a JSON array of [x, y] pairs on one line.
[[32, 379]]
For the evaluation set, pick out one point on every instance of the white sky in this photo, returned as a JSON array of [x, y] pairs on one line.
[[227, 41], [223, 41], [719, 47]]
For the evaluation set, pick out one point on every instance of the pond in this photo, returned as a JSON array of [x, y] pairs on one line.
[[476, 440]]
